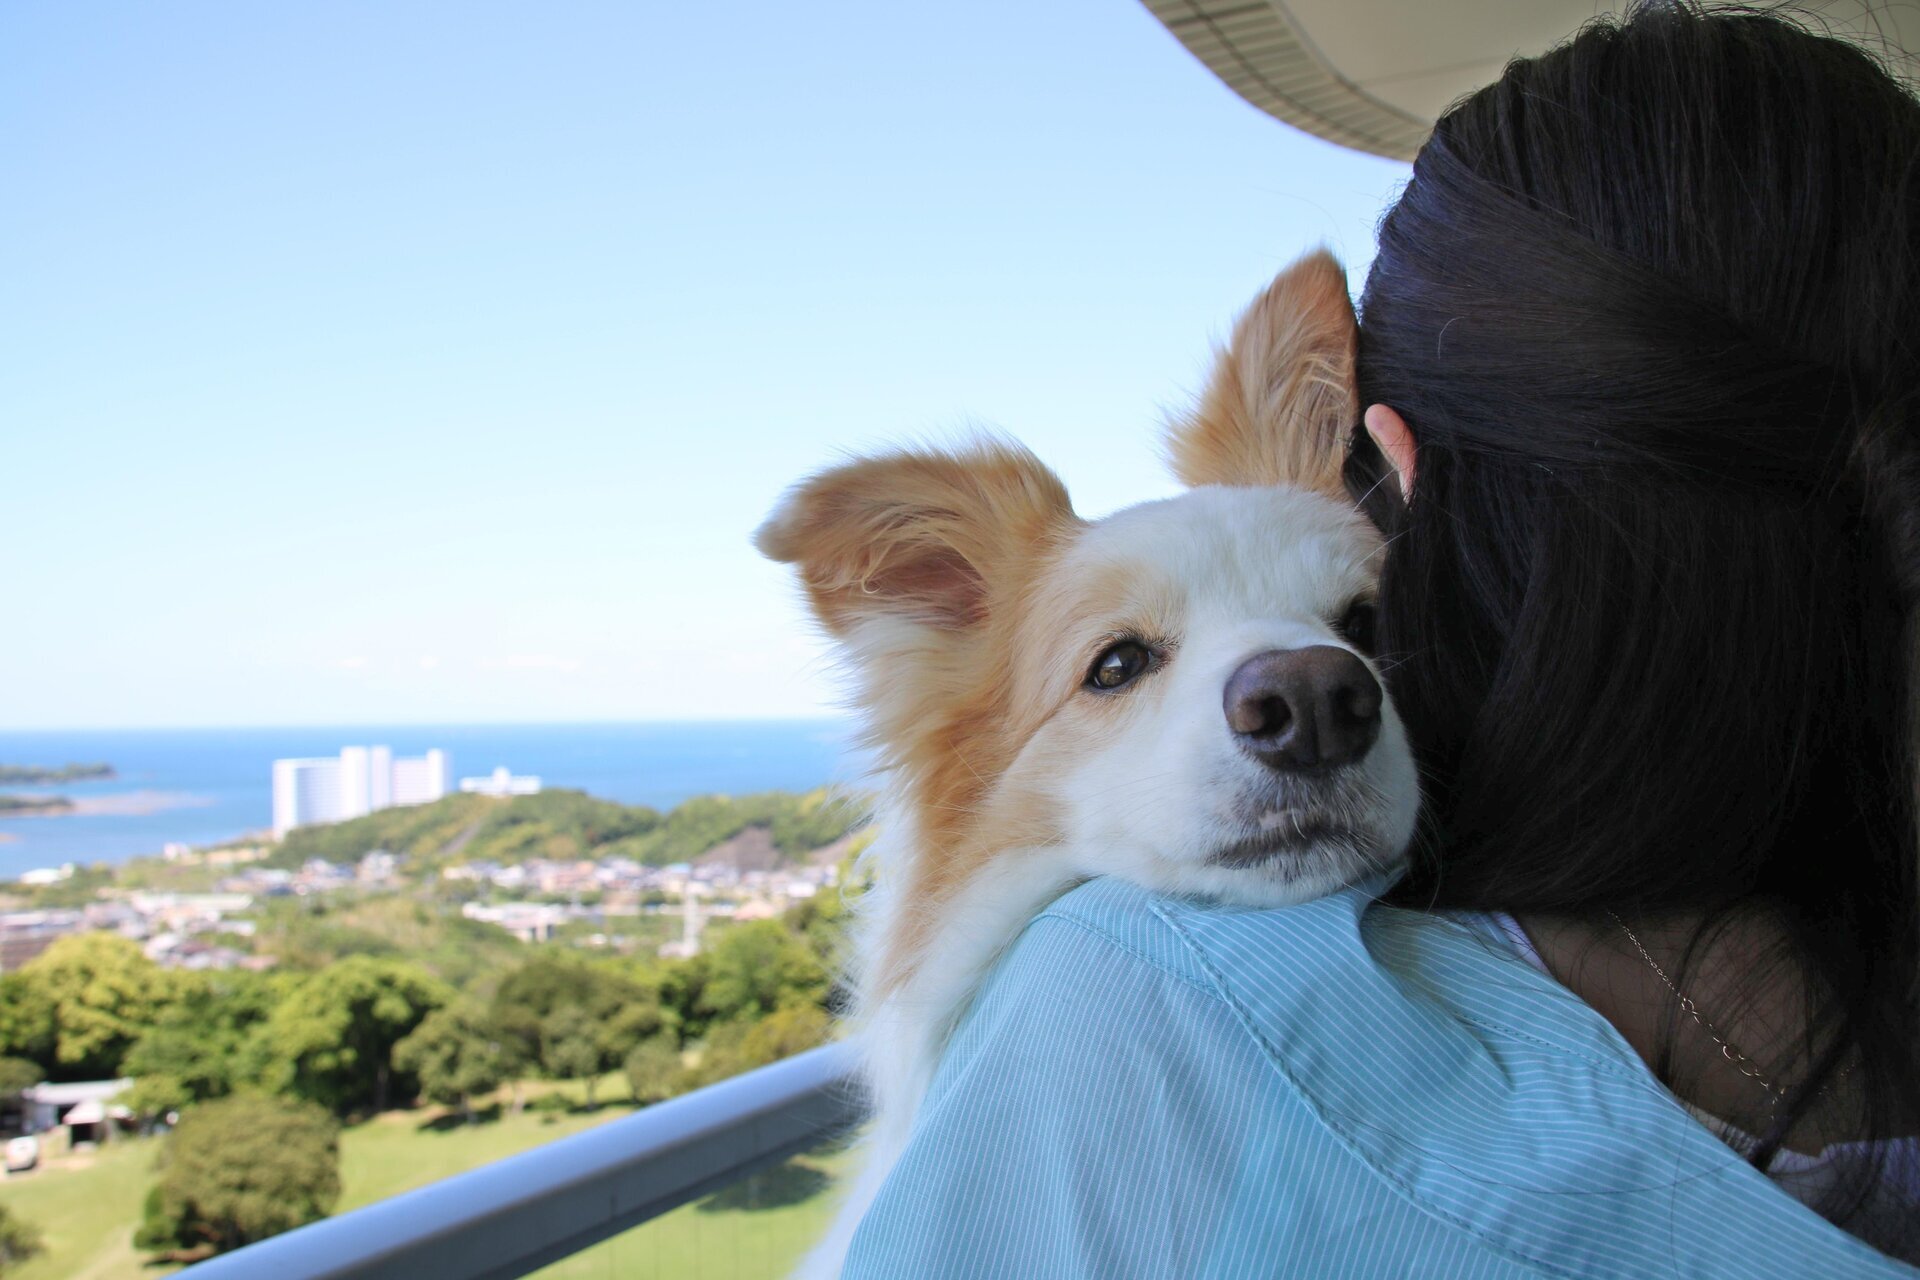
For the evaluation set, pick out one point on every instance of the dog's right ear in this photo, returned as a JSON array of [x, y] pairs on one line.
[[1281, 400], [926, 537]]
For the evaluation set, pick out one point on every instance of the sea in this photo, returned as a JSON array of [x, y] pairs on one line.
[[205, 786]]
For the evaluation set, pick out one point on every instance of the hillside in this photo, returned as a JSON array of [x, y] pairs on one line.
[[564, 825], [307, 935]]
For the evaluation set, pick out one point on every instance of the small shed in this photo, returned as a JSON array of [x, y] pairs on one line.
[[84, 1107]]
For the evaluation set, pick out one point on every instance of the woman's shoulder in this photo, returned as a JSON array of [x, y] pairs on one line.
[[1322, 969], [1183, 936], [1419, 1052]]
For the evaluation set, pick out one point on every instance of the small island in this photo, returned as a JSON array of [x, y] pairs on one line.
[[17, 774], [19, 806]]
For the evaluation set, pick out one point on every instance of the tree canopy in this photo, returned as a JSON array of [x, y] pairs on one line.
[[203, 1044], [654, 1070], [755, 968], [239, 1170], [27, 1028], [456, 1053], [17, 1075], [103, 993], [737, 1047], [332, 1039], [617, 1004]]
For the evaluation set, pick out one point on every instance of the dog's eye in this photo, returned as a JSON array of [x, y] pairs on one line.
[[1119, 665], [1356, 626]]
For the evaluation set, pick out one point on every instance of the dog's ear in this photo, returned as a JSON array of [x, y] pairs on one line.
[[1281, 400], [927, 537]]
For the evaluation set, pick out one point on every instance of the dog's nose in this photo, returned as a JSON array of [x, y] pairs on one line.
[[1297, 709]]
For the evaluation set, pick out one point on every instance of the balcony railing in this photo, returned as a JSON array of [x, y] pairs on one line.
[[517, 1215]]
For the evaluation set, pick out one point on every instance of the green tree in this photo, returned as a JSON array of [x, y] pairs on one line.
[[572, 1048], [623, 1008], [824, 919], [529, 995], [455, 1053], [332, 1039], [19, 1241], [653, 1069], [104, 993], [756, 968], [199, 1047], [241, 1169], [27, 1028], [736, 1047], [158, 1094], [625, 1025], [17, 1075]]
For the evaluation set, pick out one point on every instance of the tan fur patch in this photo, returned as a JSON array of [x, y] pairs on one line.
[[1281, 400], [970, 803], [924, 535]]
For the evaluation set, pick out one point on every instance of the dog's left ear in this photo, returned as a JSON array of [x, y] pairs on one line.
[[1281, 401]]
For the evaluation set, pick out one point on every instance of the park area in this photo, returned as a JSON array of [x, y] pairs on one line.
[[88, 1204]]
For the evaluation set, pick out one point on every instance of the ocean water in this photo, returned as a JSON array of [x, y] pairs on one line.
[[202, 786]]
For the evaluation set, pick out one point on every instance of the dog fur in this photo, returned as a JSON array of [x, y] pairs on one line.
[[969, 602]]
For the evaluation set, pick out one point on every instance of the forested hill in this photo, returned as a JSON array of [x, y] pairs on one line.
[[563, 825]]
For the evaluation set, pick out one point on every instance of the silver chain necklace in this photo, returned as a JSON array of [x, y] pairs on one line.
[[1740, 1061]]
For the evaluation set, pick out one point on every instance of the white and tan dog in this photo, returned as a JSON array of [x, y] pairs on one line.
[[1180, 694]]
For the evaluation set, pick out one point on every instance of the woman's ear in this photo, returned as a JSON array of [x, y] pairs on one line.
[[1395, 442]]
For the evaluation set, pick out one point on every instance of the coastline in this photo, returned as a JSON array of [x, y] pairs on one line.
[[124, 804], [228, 773]]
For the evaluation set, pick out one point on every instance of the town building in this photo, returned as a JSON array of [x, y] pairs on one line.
[[502, 782], [359, 781], [528, 921], [25, 934]]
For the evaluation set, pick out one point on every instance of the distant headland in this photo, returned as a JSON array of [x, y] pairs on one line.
[[18, 774], [17, 806]]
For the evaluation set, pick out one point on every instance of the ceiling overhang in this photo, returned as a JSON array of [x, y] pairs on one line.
[[1375, 74]]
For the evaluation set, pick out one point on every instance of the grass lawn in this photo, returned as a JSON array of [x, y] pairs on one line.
[[87, 1207], [400, 1150]]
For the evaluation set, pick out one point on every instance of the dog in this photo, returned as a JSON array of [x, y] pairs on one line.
[[1181, 694]]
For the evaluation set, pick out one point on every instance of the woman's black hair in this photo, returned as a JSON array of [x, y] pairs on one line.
[[1650, 306]]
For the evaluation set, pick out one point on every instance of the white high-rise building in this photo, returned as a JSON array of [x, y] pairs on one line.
[[422, 778], [304, 791], [356, 787], [379, 777], [353, 784]]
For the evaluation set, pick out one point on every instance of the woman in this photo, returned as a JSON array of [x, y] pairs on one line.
[[1642, 350]]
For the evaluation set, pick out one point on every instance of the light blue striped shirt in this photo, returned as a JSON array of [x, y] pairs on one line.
[[1150, 1087]]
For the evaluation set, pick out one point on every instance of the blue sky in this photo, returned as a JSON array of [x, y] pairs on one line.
[[370, 363]]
